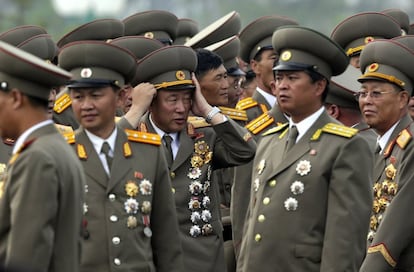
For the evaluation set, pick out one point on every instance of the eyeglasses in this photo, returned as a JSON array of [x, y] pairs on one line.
[[238, 83], [373, 94]]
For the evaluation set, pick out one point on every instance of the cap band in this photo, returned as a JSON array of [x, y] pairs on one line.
[[173, 84], [389, 78], [354, 50]]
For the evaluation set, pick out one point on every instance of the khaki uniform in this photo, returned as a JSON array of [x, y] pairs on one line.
[[45, 176], [390, 242], [312, 206], [116, 239], [204, 252]]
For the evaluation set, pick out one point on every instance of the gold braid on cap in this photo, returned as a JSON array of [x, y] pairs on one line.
[[392, 79], [172, 83], [354, 50]]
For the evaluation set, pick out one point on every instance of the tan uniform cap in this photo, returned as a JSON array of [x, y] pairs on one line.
[[97, 63], [186, 28], [19, 34], [302, 48], [228, 50], [390, 61], [28, 73], [222, 28]]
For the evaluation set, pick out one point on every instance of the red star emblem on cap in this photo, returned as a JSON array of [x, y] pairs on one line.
[[180, 75]]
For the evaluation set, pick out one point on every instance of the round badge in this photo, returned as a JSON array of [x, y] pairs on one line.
[[373, 67], [180, 75], [149, 35], [286, 56], [368, 39], [86, 73]]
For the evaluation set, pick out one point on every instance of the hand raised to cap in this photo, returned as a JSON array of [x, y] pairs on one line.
[[142, 96]]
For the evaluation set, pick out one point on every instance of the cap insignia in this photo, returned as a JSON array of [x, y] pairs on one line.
[[149, 35], [368, 39], [86, 73], [286, 56], [180, 75], [373, 67]]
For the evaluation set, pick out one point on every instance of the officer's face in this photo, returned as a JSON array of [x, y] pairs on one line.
[[411, 107], [382, 105], [235, 90], [170, 109], [297, 95], [214, 86], [263, 68], [94, 108]]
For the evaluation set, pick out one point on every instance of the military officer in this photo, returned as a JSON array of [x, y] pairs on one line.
[[387, 84], [130, 218], [154, 24], [197, 148], [256, 49], [341, 104], [99, 29], [354, 32], [310, 204], [43, 184]]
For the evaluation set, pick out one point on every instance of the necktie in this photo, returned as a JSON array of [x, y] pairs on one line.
[[105, 150], [293, 134], [168, 150]]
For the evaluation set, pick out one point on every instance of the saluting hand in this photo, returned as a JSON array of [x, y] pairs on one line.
[[142, 96]]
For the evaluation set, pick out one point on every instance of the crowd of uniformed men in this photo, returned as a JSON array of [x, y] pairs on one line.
[[147, 144]]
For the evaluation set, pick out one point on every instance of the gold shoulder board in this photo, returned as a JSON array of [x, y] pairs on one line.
[[143, 137], [62, 103], [234, 114], [246, 103], [276, 129], [68, 136], [197, 122], [260, 123], [336, 129], [403, 138]]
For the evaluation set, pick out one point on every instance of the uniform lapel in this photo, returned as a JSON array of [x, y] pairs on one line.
[[185, 150], [92, 165], [120, 164]]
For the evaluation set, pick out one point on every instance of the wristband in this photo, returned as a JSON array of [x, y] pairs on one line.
[[211, 114]]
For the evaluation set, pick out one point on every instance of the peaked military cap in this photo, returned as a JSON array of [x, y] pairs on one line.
[[389, 61], [154, 24], [228, 50], [100, 29], [97, 63], [19, 34], [401, 17], [178, 62], [139, 46], [343, 87], [222, 28], [28, 73], [302, 48], [353, 33], [257, 36], [186, 28], [41, 46]]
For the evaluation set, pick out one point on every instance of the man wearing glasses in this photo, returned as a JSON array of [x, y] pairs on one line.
[[387, 83]]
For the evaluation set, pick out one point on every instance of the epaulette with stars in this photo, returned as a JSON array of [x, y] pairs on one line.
[[261, 122], [246, 103], [143, 137], [67, 133], [335, 129], [62, 103], [235, 114], [197, 122]]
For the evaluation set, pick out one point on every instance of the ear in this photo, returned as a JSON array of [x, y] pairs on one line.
[[405, 98], [273, 87], [254, 66], [320, 86], [333, 110], [16, 97]]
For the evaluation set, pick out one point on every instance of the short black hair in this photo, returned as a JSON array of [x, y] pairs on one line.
[[315, 76], [207, 61]]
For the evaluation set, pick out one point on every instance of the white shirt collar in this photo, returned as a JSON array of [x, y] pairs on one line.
[[304, 125], [174, 135], [26, 134], [383, 140], [97, 142], [271, 99]]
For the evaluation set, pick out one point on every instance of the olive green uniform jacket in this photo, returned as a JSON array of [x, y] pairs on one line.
[[41, 206], [392, 226], [114, 239], [310, 209], [227, 142]]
